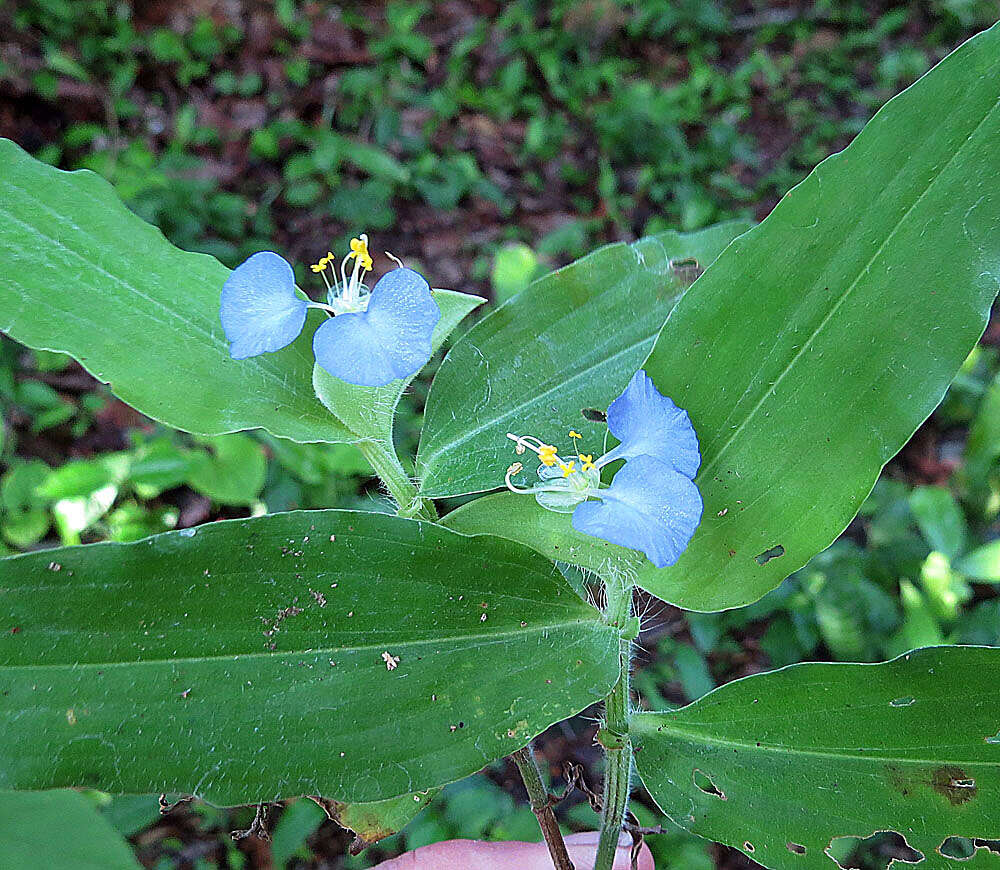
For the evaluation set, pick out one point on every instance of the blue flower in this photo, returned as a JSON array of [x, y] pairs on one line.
[[653, 504], [260, 311], [373, 338], [390, 339], [649, 506], [649, 424]]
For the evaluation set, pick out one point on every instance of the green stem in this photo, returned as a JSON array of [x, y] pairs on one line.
[[538, 797], [618, 749], [388, 467]]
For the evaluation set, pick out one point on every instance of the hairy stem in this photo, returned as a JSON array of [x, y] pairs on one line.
[[538, 797], [388, 467], [618, 749]]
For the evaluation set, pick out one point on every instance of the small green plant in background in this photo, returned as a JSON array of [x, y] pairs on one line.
[[670, 108]]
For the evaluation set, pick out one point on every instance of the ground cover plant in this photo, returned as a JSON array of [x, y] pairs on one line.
[[226, 663]]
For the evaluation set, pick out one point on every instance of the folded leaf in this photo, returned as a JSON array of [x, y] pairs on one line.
[[368, 411]]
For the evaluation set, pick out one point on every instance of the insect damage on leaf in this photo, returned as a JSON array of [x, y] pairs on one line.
[[768, 555]]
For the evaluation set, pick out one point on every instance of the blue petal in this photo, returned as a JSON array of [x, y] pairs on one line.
[[648, 507], [391, 340], [260, 311], [649, 424]]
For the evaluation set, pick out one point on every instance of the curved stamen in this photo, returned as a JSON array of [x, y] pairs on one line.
[[524, 441], [546, 452], [515, 468]]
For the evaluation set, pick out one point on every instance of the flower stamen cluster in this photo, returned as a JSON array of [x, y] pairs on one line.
[[652, 504], [351, 294], [374, 336]]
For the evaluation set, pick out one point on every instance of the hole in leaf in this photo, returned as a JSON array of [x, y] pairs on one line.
[[994, 739], [957, 848], [703, 782], [879, 851], [954, 783], [902, 702], [594, 415], [796, 848], [768, 555], [748, 846], [687, 270]]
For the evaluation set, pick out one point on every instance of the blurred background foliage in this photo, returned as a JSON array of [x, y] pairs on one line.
[[485, 143]]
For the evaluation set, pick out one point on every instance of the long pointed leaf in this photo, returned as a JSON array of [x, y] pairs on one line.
[[815, 345]]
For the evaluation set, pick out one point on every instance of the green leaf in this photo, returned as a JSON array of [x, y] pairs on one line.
[[815, 345], [940, 519], [376, 820], [920, 626], [76, 515], [232, 473], [84, 276], [159, 465], [24, 519], [982, 564], [568, 343], [514, 268], [946, 590], [81, 477], [129, 814], [983, 444], [520, 518], [781, 763], [368, 411], [247, 660], [299, 821], [59, 829]]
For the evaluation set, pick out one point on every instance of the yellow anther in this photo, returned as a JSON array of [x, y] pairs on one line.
[[320, 266], [568, 468], [574, 434], [515, 468], [588, 461], [359, 249], [547, 453]]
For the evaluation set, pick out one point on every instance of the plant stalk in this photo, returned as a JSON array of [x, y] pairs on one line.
[[618, 748], [538, 797], [388, 467]]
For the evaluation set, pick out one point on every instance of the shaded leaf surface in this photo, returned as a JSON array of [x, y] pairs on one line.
[[570, 342], [59, 829], [815, 345], [247, 660], [817, 751]]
